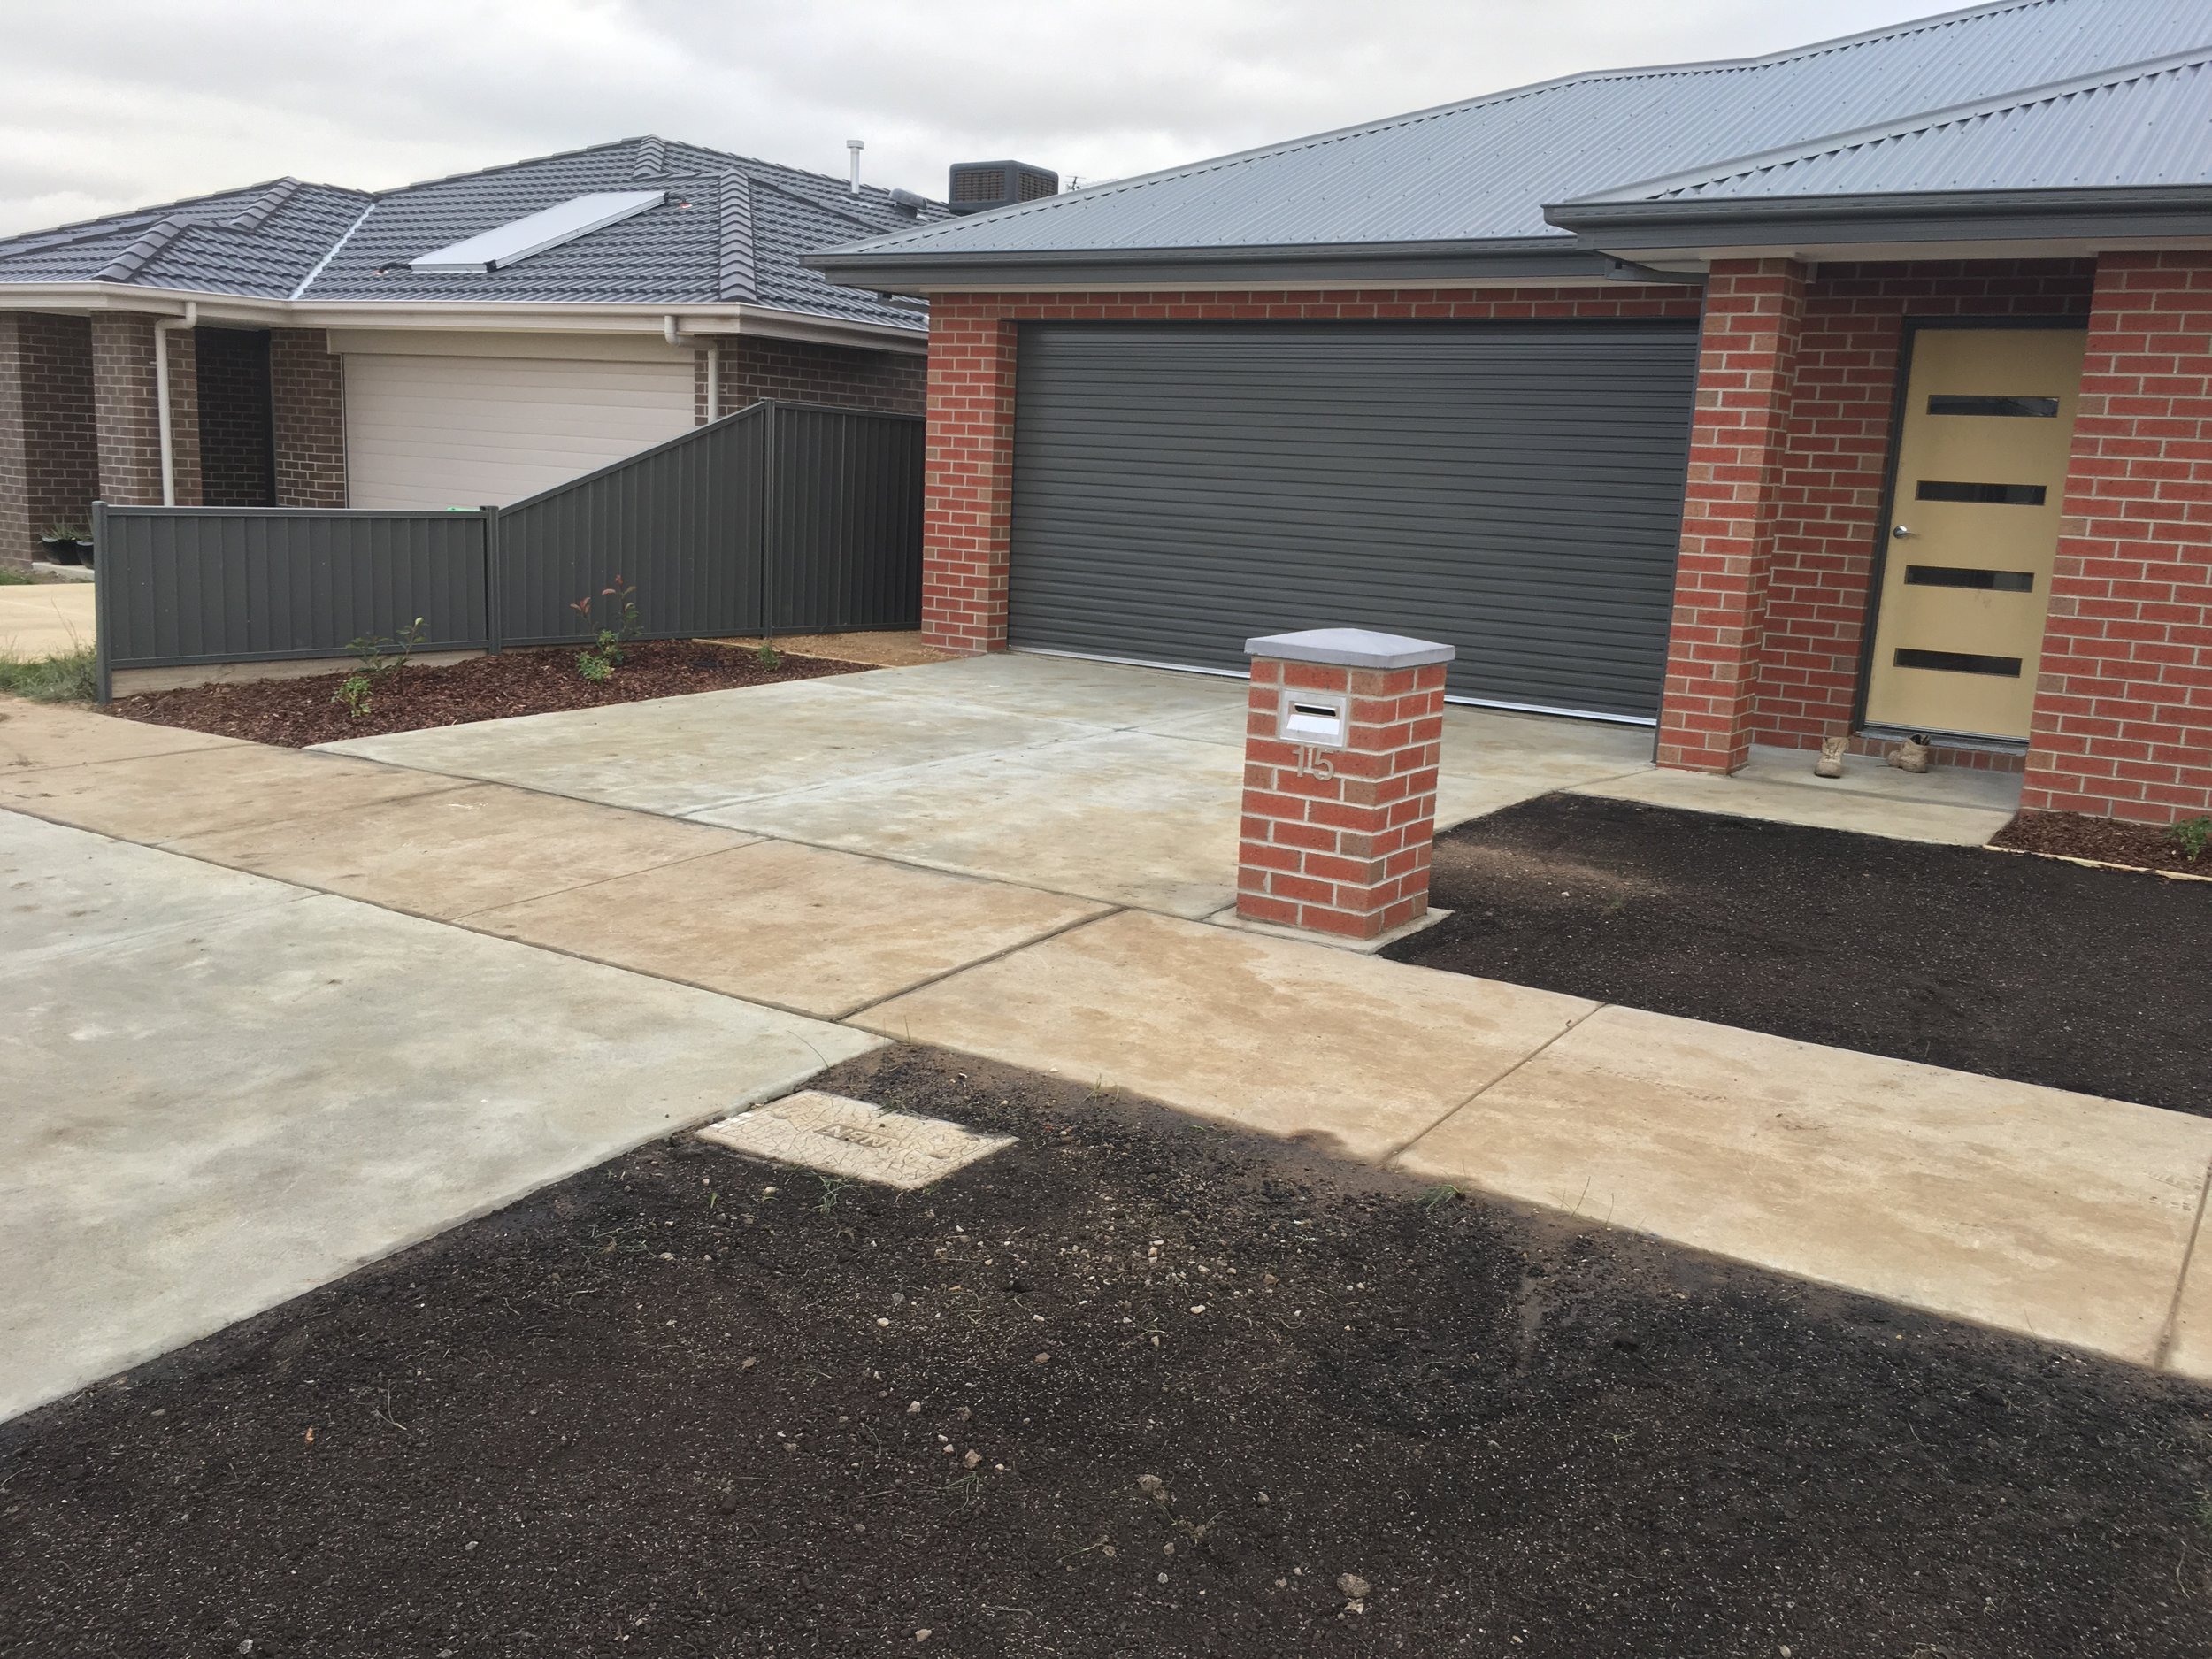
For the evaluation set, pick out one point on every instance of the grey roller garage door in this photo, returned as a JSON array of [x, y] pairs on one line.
[[1512, 488]]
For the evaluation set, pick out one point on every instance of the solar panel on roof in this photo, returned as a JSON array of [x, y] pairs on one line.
[[510, 244]]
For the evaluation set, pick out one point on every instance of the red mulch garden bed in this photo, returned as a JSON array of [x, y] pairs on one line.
[[2107, 840], [298, 713]]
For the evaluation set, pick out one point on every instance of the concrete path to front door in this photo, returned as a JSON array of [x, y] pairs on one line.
[[197, 1085]]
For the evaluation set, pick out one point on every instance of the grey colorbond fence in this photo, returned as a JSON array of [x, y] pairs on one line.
[[780, 518]]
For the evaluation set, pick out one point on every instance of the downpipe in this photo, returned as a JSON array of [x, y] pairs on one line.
[[162, 330]]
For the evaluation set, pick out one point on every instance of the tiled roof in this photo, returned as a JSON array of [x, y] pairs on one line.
[[732, 229], [260, 243], [1484, 170]]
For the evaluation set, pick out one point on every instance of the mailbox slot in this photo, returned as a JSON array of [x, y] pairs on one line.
[[1315, 719]]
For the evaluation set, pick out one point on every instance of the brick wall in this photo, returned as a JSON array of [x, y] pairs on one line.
[[307, 419], [234, 436], [755, 366], [49, 467], [968, 516], [2123, 724], [125, 407], [18, 540]]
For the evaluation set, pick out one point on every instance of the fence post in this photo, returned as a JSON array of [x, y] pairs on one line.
[[495, 584], [770, 520], [102, 600]]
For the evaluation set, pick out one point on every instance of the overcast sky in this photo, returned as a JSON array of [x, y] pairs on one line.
[[115, 103]]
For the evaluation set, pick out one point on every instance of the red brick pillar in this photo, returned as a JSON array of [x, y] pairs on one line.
[[1747, 370], [307, 419], [1341, 741], [2123, 722], [968, 510], [124, 407], [19, 531]]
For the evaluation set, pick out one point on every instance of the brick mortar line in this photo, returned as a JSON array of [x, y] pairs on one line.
[[2170, 1332]]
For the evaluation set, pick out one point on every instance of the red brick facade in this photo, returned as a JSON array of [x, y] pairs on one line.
[[1338, 842], [49, 464], [967, 519], [307, 407], [2123, 710], [754, 367]]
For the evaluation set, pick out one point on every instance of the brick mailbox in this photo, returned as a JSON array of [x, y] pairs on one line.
[[1341, 746]]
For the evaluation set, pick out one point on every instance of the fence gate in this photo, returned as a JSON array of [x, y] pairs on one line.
[[781, 518]]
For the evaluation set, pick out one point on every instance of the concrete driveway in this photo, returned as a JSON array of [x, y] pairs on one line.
[[1102, 781], [223, 1090]]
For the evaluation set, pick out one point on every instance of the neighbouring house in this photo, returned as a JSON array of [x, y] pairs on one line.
[[1863, 389], [462, 343]]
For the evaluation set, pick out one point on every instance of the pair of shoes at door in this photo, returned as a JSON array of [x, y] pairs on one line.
[[1910, 755]]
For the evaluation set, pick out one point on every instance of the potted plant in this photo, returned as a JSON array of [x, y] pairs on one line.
[[68, 544]]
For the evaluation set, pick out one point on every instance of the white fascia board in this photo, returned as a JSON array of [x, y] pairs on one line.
[[508, 244], [580, 316]]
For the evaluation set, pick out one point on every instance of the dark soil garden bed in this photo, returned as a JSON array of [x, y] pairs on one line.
[[1133, 1387], [2047, 973], [298, 713], [2107, 840]]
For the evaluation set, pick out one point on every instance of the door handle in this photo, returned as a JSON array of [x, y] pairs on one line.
[[1900, 533]]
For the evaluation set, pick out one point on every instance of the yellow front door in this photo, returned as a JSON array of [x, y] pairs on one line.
[[1981, 481]]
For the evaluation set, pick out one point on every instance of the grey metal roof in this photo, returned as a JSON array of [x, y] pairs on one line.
[[1481, 172], [732, 229], [2149, 126]]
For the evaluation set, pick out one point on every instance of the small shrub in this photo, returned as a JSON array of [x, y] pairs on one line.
[[11, 577], [768, 655], [600, 662], [353, 691], [2193, 836], [382, 654], [73, 677]]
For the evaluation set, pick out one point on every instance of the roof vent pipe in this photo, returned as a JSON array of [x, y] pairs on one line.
[[855, 145]]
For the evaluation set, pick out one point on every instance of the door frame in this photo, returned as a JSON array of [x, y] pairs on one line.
[[1872, 615]]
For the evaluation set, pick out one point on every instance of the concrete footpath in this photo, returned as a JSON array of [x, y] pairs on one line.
[[2065, 1217]]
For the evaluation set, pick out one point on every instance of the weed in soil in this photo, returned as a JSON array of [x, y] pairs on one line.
[[298, 712], [2021, 968], [1133, 1387]]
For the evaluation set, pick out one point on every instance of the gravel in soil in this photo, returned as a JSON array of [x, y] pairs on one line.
[[2021, 968], [2077, 835], [295, 713], [1133, 1387]]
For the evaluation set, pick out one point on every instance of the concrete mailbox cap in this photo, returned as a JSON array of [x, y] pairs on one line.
[[1351, 648]]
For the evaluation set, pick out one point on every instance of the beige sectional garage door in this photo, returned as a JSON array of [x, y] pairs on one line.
[[469, 432]]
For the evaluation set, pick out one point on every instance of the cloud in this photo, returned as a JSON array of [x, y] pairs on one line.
[[133, 102]]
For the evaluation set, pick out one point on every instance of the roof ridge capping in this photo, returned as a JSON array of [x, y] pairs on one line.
[[1648, 191], [922, 234]]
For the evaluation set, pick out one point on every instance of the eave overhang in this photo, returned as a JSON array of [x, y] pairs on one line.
[[1448, 263], [508, 316], [2080, 220]]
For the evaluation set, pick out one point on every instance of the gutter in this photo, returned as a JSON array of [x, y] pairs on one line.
[[724, 317], [1458, 262], [2168, 211]]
